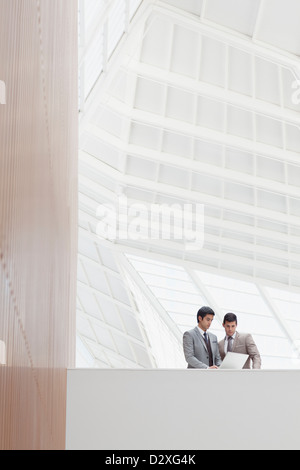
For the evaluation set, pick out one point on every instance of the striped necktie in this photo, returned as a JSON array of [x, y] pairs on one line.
[[229, 345]]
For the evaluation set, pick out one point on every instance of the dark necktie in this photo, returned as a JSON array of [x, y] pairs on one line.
[[229, 345], [207, 341]]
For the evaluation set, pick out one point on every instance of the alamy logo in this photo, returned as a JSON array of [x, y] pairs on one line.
[[142, 222], [296, 94], [2, 92]]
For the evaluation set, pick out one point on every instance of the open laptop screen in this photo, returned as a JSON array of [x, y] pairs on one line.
[[234, 361]]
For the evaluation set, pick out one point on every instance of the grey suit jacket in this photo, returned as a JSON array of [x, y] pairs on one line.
[[195, 349], [244, 344]]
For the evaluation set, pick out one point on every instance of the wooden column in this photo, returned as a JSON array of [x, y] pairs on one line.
[[38, 218]]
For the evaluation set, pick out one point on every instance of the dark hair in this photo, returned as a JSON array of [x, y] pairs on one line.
[[204, 311], [230, 317]]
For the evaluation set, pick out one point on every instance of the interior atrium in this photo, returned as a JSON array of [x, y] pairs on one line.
[[187, 104]]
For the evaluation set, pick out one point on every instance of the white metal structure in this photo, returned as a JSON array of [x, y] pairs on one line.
[[188, 102]]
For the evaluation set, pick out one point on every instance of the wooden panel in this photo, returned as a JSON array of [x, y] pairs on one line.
[[38, 218]]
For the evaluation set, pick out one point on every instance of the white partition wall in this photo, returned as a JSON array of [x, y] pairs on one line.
[[183, 410]]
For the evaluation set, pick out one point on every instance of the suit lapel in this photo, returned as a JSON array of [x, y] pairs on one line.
[[201, 337], [222, 347], [236, 340]]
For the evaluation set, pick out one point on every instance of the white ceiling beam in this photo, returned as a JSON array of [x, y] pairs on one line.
[[192, 196], [219, 172], [205, 292], [165, 317], [239, 230], [226, 35], [86, 343], [92, 290], [97, 24], [283, 324], [252, 231], [136, 30], [222, 95], [190, 130], [107, 353], [110, 328], [89, 206], [119, 258], [258, 20], [253, 248], [203, 9], [86, 259], [223, 242], [220, 258], [193, 261]]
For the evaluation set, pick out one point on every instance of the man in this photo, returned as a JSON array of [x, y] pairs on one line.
[[239, 343], [201, 348]]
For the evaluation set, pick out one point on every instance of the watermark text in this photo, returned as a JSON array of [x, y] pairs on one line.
[[296, 93], [150, 222], [2, 92]]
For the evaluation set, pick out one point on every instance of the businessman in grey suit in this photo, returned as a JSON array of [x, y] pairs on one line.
[[239, 343], [201, 348]]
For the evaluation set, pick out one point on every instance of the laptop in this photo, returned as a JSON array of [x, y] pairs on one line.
[[234, 361]]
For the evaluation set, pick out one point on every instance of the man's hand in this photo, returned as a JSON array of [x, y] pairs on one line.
[[213, 367]]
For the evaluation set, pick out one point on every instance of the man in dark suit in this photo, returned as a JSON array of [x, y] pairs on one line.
[[239, 343], [200, 347]]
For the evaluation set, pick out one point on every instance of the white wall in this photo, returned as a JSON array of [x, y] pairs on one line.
[[183, 409]]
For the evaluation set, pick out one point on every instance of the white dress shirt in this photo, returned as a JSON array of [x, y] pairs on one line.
[[202, 333]]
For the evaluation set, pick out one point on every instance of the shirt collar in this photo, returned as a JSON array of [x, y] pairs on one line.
[[202, 331], [233, 336]]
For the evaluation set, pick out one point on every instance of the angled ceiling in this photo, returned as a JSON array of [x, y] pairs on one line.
[[188, 105]]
